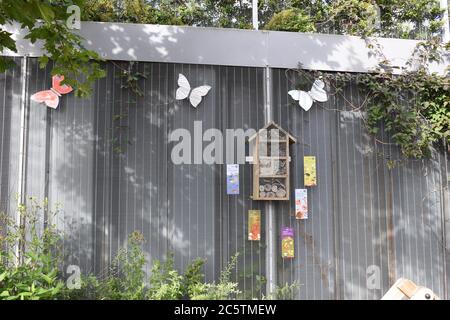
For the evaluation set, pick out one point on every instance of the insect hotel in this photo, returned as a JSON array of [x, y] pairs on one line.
[[270, 147]]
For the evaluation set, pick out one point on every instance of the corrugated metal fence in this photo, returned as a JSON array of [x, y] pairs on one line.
[[106, 161]]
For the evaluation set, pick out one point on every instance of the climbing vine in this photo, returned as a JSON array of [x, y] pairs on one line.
[[131, 77], [412, 105]]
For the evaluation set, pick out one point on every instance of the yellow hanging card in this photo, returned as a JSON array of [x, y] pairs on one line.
[[310, 177]]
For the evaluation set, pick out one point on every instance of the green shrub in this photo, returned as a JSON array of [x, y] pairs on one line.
[[34, 273], [193, 277], [38, 275], [165, 282], [286, 292], [90, 289], [295, 20], [126, 280], [223, 290]]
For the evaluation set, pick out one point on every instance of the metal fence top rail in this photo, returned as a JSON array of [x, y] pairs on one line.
[[230, 47]]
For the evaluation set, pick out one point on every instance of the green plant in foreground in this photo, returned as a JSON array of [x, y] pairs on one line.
[[90, 289], [126, 280], [192, 277], [36, 274], [286, 292], [165, 282], [223, 290]]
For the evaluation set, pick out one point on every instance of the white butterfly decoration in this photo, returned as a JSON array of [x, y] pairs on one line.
[[306, 99], [195, 95]]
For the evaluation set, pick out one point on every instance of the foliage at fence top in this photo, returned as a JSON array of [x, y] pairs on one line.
[[417, 120], [46, 21], [413, 107], [397, 18]]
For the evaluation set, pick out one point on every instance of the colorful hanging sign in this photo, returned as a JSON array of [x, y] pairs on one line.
[[51, 97], [232, 179], [309, 163], [287, 242], [195, 95], [254, 225], [301, 204]]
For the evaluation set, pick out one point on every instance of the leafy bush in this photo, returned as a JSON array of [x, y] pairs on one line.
[[90, 289], [165, 282], [33, 274], [286, 292], [387, 18], [36, 275], [131, 11], [126, 280], [224, 289], [291, 20], [193, 277]]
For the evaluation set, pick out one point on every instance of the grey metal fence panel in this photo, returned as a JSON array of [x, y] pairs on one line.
[[10, 101], [314, 264], [106, 161], [445, 173], [206, 222], [60, 163], [363, 214], [242, 107], [418, 223]]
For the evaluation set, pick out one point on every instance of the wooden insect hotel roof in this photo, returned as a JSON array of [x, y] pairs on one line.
[[292, 139]]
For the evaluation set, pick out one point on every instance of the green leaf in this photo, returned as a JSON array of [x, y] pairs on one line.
[[6, 63], [43, 61], [47, 279], [3, 275], [46, 11], [25, 294], [4, 294]]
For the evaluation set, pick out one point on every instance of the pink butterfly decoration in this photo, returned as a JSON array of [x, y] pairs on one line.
[[51, 97]]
